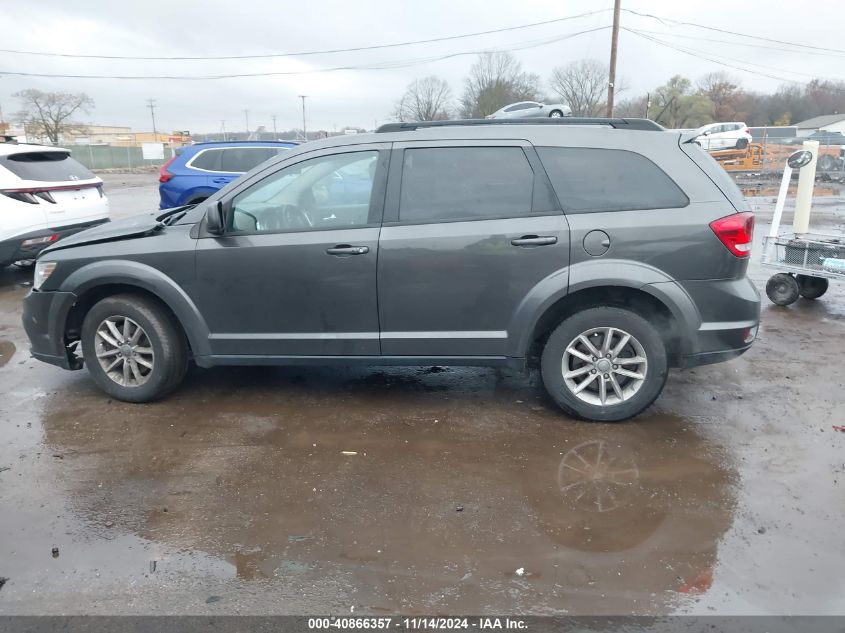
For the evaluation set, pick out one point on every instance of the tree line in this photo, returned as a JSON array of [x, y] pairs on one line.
[[498, 79]]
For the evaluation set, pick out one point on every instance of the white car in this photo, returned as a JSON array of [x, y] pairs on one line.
[[45, 195], [525, 109], [715, 136]]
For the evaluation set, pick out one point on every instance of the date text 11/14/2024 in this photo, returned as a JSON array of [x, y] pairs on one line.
[[417, 623]]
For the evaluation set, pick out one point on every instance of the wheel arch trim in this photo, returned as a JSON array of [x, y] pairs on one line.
[[601, 273], [151, 280]]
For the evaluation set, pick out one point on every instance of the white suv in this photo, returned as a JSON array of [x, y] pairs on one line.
[[45, 195], [715, 136]]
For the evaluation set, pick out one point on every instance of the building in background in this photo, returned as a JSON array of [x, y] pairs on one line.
[[826, 123]]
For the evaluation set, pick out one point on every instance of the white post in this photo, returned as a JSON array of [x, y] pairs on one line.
[[804, 197], [784, 187]]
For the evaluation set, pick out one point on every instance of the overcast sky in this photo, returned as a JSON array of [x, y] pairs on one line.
[[365, 97]]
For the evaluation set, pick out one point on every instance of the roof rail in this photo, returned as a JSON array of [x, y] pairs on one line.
[[618, 124]]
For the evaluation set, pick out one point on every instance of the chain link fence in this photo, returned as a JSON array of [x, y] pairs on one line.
[[115, 157]]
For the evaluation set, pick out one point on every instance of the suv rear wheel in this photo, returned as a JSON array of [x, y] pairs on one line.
[[605, 364], [133, 349]]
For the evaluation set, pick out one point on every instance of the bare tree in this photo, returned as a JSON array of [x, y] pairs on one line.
[[48, 113], [725, 94], [582, 85], [426, 99], [494, 81]]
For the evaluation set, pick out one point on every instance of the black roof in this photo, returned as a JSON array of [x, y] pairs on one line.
[[618, 124]]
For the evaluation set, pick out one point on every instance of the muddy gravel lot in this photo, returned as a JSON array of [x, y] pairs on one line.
[[427, 490]]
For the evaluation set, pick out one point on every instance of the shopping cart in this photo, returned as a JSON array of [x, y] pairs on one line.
[[805, 262]]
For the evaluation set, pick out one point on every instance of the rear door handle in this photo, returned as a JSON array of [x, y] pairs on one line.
[[221, 181], [346, 249], [535, 240]]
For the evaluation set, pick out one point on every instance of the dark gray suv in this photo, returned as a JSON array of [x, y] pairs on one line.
[[606, 250]]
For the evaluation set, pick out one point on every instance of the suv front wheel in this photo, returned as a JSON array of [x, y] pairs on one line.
[[604, 364], [133, 349]]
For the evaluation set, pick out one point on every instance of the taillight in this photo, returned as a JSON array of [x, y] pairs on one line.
[[20, 196], [736, 232], [747, 131], [163, 174]]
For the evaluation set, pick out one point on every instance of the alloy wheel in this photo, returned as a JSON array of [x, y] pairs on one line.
[[604, 366], [124, 351]]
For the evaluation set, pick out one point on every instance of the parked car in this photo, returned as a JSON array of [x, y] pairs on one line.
[[45, 195], [525, 109], [605, 251], [826, 138], [199, 170], [715, 136]]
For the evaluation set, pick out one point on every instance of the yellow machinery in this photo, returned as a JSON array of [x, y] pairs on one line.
[[760, 156]]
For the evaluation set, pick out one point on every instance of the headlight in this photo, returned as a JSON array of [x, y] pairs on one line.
[[43, 270]]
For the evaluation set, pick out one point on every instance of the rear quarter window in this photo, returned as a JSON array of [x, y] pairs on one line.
[[208, 159], [48, 166], [589, 180]]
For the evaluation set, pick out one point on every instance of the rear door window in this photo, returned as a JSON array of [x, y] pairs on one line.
[[441, 184], [590, 180], [46, 166]]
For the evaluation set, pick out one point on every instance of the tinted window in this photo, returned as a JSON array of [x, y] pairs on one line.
[[207, 159], [242, 159], [320, 193], [608, 180], [521, 106], [45, 166], [465, 183]]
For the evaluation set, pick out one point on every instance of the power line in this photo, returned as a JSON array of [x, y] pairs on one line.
[[710, 58], [733, 59], [373, 66], [304, 53], [665, 20], [735, 43]]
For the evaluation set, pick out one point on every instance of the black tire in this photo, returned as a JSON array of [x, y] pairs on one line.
[[166, 339], [782, 289], [742, 143], [555, 114], [827, 162], [811, 287], [640, 329]]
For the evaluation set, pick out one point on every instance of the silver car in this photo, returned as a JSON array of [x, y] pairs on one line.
[[526, 109]]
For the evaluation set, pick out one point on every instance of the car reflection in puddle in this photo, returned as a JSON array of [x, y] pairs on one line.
[[422, 491]]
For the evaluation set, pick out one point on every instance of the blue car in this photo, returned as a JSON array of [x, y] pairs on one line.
[[200, 170]]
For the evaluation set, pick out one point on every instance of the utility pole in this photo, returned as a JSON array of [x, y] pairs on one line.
[[275, 133], [223, 128], [304, 133], [614, 38], [246, 118], [151, 104]]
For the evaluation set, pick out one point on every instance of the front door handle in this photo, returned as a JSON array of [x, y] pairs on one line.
[[346, 249], [535, 240]]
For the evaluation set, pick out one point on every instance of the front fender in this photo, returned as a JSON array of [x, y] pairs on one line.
[[600, 273], [131, 273]]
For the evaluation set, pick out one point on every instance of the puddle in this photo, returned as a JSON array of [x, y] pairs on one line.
[[7, 350], [423, 491]]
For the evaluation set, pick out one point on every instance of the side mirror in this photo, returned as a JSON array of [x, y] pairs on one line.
[[214, 222]]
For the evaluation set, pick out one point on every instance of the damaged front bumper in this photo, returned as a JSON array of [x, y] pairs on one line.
[[44, 318]]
